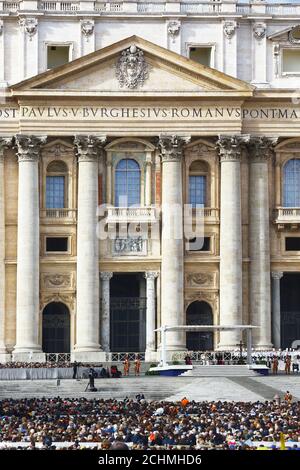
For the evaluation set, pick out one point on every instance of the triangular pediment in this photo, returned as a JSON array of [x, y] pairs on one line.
[[285, 35], [168, 74]]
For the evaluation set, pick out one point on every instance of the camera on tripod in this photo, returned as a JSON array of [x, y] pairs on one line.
[[91, 383]]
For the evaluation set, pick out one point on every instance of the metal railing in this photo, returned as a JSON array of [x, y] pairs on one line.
[[120, 356], [58, 357], [230, 357]]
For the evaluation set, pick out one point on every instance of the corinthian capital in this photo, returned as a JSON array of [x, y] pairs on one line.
[[230, 147], [28, 147], [5, 143], [89, 147], [261, 148], [171, 147]]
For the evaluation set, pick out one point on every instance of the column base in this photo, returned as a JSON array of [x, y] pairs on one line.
[[88, 356], [5, 357], [151, 356], [262, 347], [227, 347], [31, 356]]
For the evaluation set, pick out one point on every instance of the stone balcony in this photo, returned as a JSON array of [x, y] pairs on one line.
[[156, 7], [287, 217], [210, 215], [54, 216]]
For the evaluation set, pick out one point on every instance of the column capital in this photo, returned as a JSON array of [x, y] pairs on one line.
[[28, 147], [230, 147], [151, 274], [261, 148], [106, 276], [170, 147], [276, 275], [89, 147], [5, 143]]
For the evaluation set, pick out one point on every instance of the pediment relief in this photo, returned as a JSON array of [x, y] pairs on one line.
[[132, 66]]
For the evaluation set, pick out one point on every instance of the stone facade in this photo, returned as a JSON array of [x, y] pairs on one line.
[[134, 99]]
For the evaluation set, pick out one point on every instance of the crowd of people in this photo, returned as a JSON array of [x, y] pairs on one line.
[[35, 365], [142, 424]]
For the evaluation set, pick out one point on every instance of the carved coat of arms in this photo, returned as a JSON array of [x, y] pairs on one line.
[[131, 68]]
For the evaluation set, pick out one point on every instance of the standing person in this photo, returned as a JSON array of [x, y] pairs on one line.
[[275, 365], [126, 364], [288, 397], [288, 365], [75, 370], [137, 365]]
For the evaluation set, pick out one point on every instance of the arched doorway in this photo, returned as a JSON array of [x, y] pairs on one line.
[[199, 313], [56, 328]]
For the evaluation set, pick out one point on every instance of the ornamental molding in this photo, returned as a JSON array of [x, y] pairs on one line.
[[87, 28], [200, 279], [173, 28], [131, 68], [202, 296], [201, 150], [230, 147], [29, 26], [291, 37], [229, 28], [89, 147], [106, 276], [5, 143], [53, 281], [171, 146], [261, 148], [259, 30], [28, 147]]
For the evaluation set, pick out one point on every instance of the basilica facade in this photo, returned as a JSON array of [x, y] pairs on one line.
[[149, 176]]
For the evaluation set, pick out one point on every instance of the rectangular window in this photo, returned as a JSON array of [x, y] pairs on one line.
[[292, 244], [55, 192], [199, 244], [57, 55], [202, 55], [291, 61], [56, 244], [197, 190]]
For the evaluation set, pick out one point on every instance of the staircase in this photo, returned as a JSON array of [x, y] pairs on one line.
[[220, 371]]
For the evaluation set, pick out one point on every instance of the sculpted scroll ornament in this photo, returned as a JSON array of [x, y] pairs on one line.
[[259, 30], [68, 299], [131, 68], [229, 28], [30, 26], [87, 28], [28, 147], [173, 29], [171, 146], [88, 147]]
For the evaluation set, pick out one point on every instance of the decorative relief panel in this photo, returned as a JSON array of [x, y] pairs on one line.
[[66, 298], [53, 281], [200, 279]]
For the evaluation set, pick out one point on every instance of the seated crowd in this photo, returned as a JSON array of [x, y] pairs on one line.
[[142, 424]]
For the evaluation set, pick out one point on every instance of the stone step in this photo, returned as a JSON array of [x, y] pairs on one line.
[[220, 371]]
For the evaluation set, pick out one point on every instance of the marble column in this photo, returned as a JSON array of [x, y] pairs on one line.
[[5, 143], [230, 149], [172, 261], [105, 311], [259, 149], [27, 328], [87, 348], [276, 311], [150, 277]]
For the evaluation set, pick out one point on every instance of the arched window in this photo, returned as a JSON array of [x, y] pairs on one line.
[[291, 183], [198, 183], [127, 183], [56, 185]]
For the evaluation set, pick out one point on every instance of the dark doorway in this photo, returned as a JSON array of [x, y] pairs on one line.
[[127, 313], [199, 313], [56, 328], [290, 309]]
